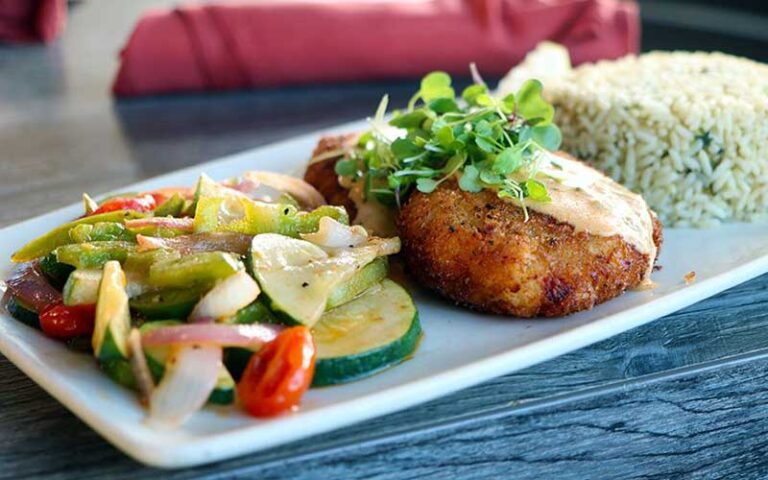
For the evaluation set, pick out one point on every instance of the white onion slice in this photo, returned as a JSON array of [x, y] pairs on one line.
[[249, 336], [189, 378], [139, 367], [384, 246], [304, 193], [89, 204], [226, 298], [333, 234]]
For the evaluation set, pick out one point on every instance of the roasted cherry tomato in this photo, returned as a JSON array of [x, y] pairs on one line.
[[141, 203], [278, 375], [61, 321]]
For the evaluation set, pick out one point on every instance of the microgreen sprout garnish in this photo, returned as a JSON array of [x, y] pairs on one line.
[[484, 141]]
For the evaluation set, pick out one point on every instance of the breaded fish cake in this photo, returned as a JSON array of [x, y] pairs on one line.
[[482, 253]]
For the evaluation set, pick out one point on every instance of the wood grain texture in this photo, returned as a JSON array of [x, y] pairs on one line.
[[683, 397]]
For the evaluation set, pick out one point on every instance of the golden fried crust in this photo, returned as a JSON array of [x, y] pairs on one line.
[[479, 251], [322, 175]]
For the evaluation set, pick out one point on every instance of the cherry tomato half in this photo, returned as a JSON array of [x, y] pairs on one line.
[[61, 321], [141, 203], [278, 375]]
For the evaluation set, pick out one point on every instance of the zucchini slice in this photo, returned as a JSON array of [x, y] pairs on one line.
[[82, 287], [361, 281], [256, 312], [169, 303], [377, 330], [119, 370], [299, 277], [56, 272], [222, 394], [21, 312], [113, 318]]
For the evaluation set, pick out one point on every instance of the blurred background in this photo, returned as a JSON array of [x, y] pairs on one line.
[[62, 130]]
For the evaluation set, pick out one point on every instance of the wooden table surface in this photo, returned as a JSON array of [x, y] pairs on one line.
[[683, 397]]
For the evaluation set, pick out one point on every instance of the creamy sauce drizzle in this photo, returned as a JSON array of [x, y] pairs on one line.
[[593, 203], [375, 217]]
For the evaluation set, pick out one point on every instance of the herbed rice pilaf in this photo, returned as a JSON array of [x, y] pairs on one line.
[[688, 131]]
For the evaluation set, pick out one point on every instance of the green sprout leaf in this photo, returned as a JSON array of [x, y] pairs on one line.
[[547, 136], [508, 104], [345, 167], [469, 180], [409, 120], [426, 185], [484, 144], [403, 148], [484, 100], [484, 128], [536, 190], [436, 85], [508, 161], [454, 163], [445, 136], [471, 93], [531, 105], [394, 182], [488, 176], [443, 105]]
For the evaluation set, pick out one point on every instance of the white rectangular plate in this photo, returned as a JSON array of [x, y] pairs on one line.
[[460, 348]]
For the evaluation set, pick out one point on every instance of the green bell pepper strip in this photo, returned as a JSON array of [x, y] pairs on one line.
[[256, 312], [308, 222], [101, 232], [167, 303], [141, 261], [120, 371], [93, 254], [242, 215], [60, 235], [162, 232], [171, 207], [202, 268]]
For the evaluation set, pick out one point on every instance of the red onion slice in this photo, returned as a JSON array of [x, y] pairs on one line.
[[28, 284], [249, 336], [189, 378]]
